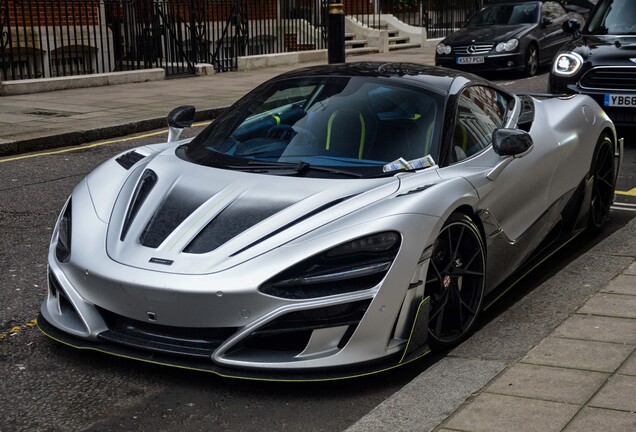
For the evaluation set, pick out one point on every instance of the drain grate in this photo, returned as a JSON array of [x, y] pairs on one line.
[[50, 113]]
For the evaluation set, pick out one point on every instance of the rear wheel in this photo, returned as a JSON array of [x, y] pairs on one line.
[[603, 177], [455, 281]]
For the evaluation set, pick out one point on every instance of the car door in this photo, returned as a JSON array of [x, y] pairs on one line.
[[513, 201], [552, 17]]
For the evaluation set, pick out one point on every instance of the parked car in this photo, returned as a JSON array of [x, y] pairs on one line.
[[336, 221], [601, 61], [511, 36]]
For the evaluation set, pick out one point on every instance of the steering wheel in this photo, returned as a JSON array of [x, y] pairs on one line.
[[281, 131], [302, 137]]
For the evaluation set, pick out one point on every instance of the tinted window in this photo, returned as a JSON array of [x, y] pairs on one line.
[[614, 17], [526, 13], [480, 111]]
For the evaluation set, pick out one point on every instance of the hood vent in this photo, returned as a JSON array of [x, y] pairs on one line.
[[146, 183], [177, 206], [129, 159], [294, 222], [232, 221]]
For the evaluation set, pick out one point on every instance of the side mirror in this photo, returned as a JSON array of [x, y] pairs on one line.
[[572, 26], [511, 142], [545, 21], [178, 119]]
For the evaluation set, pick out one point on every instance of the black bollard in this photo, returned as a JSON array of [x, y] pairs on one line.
[[335, 33]]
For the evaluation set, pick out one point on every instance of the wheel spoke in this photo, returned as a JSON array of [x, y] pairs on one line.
[[470, 273]]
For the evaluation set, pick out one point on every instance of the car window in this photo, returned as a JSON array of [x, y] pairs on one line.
[[552, 10], [526, 13], [480, 111], [614, 17]]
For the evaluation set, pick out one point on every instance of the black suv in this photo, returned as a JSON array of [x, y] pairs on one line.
[[601, 60]]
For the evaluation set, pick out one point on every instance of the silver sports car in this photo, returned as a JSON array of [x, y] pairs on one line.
[[336, 221]]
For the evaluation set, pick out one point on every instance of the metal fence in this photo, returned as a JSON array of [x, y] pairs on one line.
[[439, 17], [53, 38]]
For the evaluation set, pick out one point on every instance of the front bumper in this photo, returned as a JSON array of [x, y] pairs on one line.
[[492, 62]]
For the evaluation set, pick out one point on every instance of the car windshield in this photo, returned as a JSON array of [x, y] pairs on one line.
[[614, 17], [325, 126], [507, 14]]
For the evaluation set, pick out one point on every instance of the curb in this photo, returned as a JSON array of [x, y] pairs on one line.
[[74, 138]]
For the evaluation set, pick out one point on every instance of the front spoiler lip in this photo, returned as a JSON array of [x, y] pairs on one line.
[[411, 353]]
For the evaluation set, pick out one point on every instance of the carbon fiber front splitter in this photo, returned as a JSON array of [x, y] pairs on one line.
[[414, 350]]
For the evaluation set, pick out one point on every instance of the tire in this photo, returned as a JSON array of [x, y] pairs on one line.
[[455, 282], [532, 60], [603, 177]]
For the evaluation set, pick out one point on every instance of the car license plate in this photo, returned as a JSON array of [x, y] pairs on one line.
[[470, 60], [620, 100]]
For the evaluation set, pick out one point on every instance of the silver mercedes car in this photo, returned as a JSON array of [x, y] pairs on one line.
[[337, 221]]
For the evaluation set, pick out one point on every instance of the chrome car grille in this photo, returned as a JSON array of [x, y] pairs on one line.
[[473, 49], [610, 78]]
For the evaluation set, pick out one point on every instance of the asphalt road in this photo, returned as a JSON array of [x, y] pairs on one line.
[[47, 386]]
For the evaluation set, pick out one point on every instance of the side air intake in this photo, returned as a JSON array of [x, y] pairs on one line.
[[129, 159]]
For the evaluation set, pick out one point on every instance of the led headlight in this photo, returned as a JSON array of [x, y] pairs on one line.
[[443, 48], [63, 248], [356, 265], [507, 46], [567, 64]]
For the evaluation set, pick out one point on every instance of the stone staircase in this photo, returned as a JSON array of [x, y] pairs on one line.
[[355, 46], [361, 39]]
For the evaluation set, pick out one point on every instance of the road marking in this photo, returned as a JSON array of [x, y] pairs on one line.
[[16, 329], [88, 146], [631, 192]]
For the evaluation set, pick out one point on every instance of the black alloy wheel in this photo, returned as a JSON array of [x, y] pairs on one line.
[[603, 178], [532, 60], [455, 281]]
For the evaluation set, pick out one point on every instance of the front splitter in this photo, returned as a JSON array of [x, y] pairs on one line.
[[313, 375]]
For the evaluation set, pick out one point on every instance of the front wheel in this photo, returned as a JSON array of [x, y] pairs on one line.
[[532, 60], [602, 176], [455, 281]]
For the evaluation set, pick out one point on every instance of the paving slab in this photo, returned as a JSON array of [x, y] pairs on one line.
[[579, 354], [631, 270], [548, 383], [619, 394], [629, 367], [616, 305], [500, 413], [622, 284], [598, 328], [595, 419]]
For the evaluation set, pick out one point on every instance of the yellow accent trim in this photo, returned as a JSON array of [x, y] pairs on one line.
[[631, 192], [417, 314], [276, 118], [89, 146], [222, 375], [363, 128]]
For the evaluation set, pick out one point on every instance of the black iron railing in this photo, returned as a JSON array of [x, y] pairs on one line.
[[54, 38]]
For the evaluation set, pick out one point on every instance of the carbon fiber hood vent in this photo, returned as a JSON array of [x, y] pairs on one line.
[[147, 181]]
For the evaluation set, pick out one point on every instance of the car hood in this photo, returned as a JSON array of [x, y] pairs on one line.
[[606, 50], [500, 33], [175, 216]]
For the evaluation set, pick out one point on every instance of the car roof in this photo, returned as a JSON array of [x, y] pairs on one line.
[[438, 78]]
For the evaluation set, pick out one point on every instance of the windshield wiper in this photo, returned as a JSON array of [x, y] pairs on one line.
[[287, 168]]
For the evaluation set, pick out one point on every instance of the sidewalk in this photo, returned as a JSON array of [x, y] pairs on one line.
[[560, 359], [70, 117]]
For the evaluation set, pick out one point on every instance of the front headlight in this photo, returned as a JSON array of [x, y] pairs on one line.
[[63, 248], [443, 48], [507, 46], [567, 64], [356, 265]]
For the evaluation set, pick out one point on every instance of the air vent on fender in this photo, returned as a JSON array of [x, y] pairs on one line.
[[146, 183], [129, 159]]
